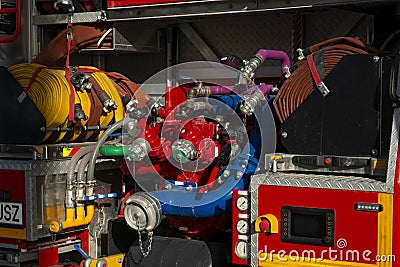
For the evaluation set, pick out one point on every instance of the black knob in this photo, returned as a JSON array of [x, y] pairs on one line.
[[233, 61]]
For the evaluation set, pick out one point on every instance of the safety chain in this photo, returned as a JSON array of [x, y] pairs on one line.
[[245, 120], [145, 253], [98, 226], [194, 171]]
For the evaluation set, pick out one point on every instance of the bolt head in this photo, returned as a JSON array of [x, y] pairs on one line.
[[226, 173], [168, 186], [239, 174]]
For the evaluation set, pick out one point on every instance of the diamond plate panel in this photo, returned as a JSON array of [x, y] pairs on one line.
[[46, 167], [355, 183], [253, 216], [14, 165], [34, 172], [328, 24], [394, 144], [84, 17], [240, 35]]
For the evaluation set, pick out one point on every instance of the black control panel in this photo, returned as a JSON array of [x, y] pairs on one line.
[[308, 226]]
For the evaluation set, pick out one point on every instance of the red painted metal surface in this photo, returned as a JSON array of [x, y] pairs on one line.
[[84, 237], [48, 257], [14, 181], [174, 95], [17, 12], [396, 207], [200, 170], [358, 228], [127, 3]]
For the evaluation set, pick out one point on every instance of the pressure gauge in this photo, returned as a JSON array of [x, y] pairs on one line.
[[242, 203], [242, 226], [241, 250]]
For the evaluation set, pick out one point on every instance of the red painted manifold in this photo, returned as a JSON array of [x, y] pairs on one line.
[[202, 134]]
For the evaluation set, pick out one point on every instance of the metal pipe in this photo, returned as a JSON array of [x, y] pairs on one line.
[[82, 167], [69, 192], [76, 128], [95, 153], [74, 161], [70, 196], [222, 90], [81, 178]]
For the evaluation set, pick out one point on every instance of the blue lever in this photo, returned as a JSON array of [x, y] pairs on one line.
[[99, 196], [81, 251]]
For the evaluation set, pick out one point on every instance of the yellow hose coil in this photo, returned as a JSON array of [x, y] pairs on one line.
[[108, 87], [50, 92]]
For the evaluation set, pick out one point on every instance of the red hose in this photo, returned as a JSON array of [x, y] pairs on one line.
[[300, 84], [122, 207]]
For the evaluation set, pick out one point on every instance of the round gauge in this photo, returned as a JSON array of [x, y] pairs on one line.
[[242, 226], [241, 250], [242, 203]]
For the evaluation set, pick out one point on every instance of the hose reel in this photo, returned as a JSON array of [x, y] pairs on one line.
[[98, 100], [300, 84], [338, 90]]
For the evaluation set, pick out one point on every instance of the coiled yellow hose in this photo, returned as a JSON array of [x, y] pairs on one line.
[[50, 91]]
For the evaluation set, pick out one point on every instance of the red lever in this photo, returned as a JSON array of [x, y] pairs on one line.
[[264, 225], [17, 11]]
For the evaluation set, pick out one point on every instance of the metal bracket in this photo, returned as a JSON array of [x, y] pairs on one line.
[[198, 42], [323, 89]]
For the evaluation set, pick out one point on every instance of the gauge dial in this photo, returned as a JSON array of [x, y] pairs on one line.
[[242, 203], [241, 250], [242, 226]]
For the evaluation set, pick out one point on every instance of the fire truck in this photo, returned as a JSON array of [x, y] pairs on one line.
[[204, 133]]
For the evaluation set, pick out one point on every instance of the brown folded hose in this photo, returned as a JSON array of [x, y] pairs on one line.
[[87, 37], [84, 37], [300, 84], [129, 87]]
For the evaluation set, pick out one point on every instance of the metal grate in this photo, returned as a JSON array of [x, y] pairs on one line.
[[240, 35]]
